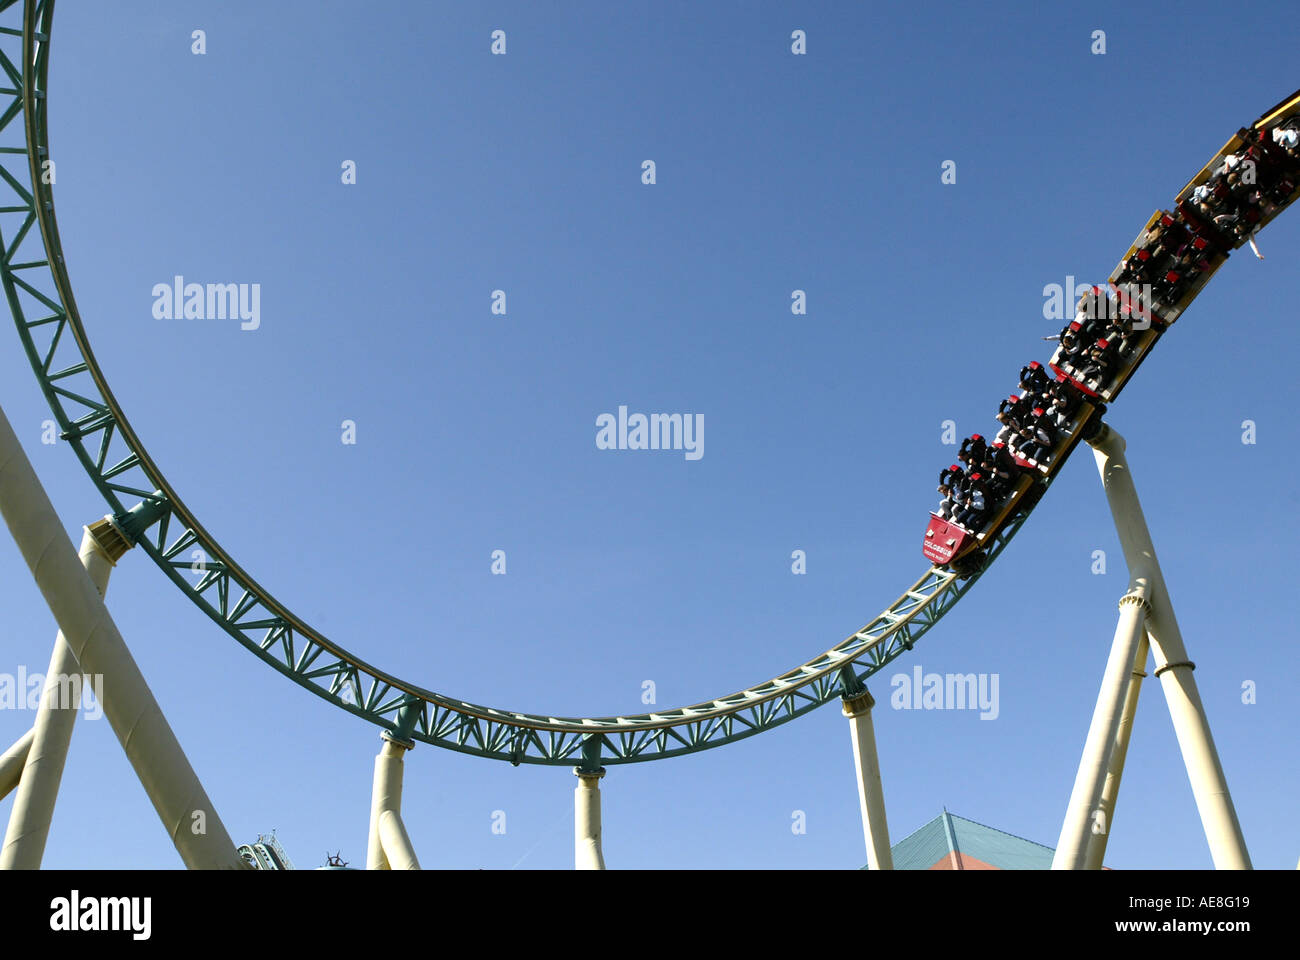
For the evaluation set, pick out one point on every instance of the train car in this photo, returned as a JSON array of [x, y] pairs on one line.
[[1286, 109], [1068, 435], [1275, 172], [950, 544], [1274, 164], [1166, 266], [1279, 115], [1091, 318], [1279, 133], [1241, 190], [947, 542]]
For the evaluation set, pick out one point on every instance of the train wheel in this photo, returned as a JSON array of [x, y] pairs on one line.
[[971, 564], [1031, 498], [1094, 424]]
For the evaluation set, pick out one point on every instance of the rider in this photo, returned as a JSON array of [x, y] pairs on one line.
[[1062, 401], [1033, 378], [1011, 412], [950, 483], [1121, 329], [1100, 358], [1000, 468], [1073, 342], [972, 451], [974, 502], [1039, 435]]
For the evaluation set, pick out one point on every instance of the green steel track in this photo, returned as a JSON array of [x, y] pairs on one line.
[[152, 514]]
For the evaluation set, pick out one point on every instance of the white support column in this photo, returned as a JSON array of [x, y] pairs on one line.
[[29, 822], [1110, 791], [11, 762], [871, 794], [1209, 786], [97, 645], [389, 847], [587, 853], [397, 844], [1082, 811]]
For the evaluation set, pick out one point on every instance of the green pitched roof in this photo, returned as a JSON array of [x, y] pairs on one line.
[[936, 841]]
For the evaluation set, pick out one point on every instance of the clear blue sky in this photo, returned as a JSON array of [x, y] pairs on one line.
[[476, 432]]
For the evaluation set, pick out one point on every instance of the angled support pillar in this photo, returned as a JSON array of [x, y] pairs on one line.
[[587, 852], [97, 645], [1082, 815], [1110, 792], [12, 760], [1173, 668], [871, 794], [389, 847], [29, 822]]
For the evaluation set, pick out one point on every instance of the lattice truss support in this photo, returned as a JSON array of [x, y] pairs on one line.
[[35, 281]]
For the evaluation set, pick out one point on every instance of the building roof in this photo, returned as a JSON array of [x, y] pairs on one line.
[[954, 843]]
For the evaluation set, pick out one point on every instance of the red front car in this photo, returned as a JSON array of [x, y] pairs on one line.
[[943, 540]]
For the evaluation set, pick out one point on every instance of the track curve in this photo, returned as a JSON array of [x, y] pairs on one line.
[[151, 514]]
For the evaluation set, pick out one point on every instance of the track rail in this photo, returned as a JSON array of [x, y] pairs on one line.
[[150, 512]]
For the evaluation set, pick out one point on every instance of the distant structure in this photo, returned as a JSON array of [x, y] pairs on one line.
[[955, 843], [266, 854]]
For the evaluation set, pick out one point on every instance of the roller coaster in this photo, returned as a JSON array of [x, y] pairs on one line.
[[146, 511]]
